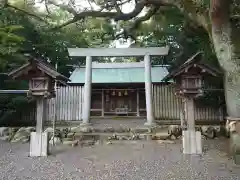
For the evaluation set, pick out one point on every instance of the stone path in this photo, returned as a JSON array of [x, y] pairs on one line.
[[131, 160]]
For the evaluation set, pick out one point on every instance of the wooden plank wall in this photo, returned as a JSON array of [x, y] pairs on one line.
[[168, 107], [166, 104], [68, 104]]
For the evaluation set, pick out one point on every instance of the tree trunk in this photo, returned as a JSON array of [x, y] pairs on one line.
[[226, 53], [225, 42]]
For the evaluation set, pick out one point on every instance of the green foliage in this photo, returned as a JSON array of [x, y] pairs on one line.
[[170, 27], [20, 33], [9, 44]]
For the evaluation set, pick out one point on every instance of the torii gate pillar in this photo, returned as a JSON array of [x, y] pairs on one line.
[[148, 91]]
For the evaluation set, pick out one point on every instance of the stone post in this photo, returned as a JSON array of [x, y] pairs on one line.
[[148, 91], [41, 102], [190, 113], [39, 139], [192, 142], [87, 92]]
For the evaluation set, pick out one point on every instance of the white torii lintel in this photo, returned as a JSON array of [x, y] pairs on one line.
[[116, 52]]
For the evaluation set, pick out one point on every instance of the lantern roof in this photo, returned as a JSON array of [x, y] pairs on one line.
[[38, 64], [193, 61]]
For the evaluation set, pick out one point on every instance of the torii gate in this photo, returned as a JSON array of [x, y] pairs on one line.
[[118, 52]]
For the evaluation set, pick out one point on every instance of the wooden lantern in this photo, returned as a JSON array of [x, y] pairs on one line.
[[41, 77], [189, 77]]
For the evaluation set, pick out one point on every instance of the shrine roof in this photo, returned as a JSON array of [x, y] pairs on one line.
[[119, 73]]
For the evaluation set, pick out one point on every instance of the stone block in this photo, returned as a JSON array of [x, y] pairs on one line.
[[122, 129], [108, 130], [236, 159], [21, 134], [210, 133], [235, 147], [55, 140], [98, 130], [68, 143], [165, 142], [4, 131], [161, 136], [175, 130], [39, 144], [5, 138], [192, 142], [87, 143], [26, 140], [140, 130], [30, 129], [109, 142], [142, 137], [81, 129], [70, 135], [235, 138], [48, 129]]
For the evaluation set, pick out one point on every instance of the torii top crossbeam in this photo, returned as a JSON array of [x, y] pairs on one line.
[[116, 52]]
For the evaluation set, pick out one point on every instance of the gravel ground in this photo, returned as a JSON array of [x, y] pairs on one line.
[[121, 161]]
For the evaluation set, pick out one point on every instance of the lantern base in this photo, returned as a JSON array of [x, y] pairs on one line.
[[39, 144], [83, 124], [192, 142]]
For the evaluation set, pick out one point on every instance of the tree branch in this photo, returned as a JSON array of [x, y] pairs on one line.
[[187, 7], [84, 14], [128, 32], [117, 15], [147, 16]]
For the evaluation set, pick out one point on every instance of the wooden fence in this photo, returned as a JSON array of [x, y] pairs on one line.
[[69, 104], [167, 106]]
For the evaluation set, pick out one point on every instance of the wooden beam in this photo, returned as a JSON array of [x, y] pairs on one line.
[[103, 102], [115, 52], [14, 91], [138, 112]]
